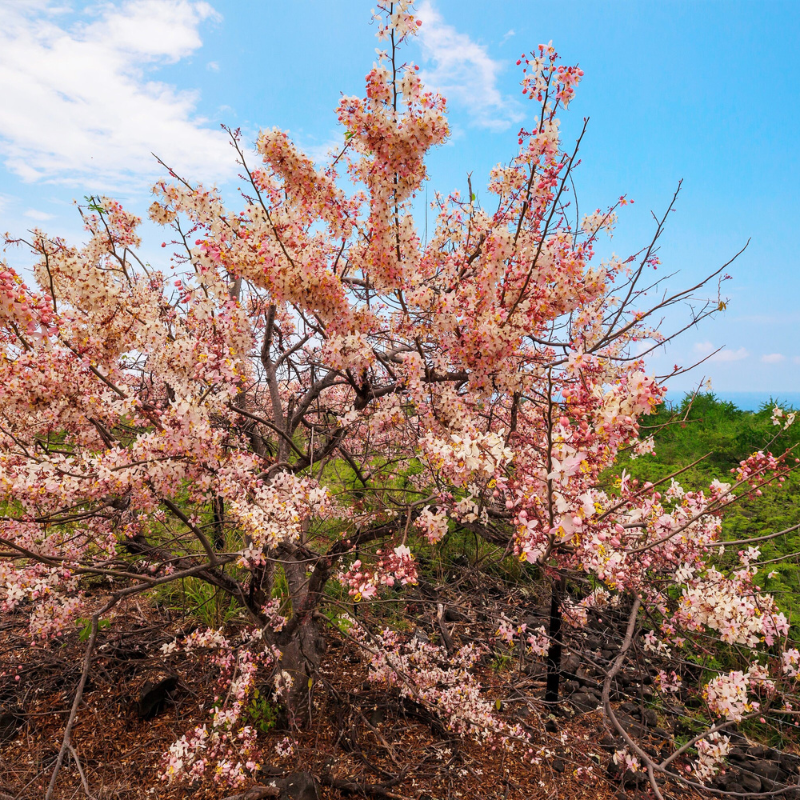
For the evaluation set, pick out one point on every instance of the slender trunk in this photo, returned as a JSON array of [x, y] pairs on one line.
[[556, 639], [218, 506]]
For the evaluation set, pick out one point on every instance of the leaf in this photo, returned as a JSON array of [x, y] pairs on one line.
[[498, 704], [310, 682], [93, 206], [472, 197], [722, 306], [86, 627]]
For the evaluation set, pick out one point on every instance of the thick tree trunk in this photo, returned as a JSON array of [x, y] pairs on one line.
[[300, 660], [556, 640], [301, 642]]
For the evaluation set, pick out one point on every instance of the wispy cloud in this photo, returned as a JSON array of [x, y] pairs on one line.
[[39, 216], [464, 72], [320, 152], [508, 35], [702, 349], [79, 100], [773, 358]]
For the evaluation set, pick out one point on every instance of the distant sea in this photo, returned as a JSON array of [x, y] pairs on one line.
[[747, 401]]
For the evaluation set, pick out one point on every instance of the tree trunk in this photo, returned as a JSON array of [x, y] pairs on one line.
[[556, 640], [301, 641], [218, 507], [300, 659]]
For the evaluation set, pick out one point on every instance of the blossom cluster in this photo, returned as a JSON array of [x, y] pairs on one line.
[[226, 747], [392, 568]]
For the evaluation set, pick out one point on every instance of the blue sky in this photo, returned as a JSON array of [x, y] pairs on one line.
[[705, 91]]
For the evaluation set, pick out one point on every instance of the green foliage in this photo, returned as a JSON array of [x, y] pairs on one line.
[[261, 714], [85, 625], [725, 435], [209, 605], [502, 661]]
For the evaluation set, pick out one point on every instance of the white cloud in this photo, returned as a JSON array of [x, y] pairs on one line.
[[730, 355], [39, 216], [508, 35], [649, 347], [78, 101], [320, 152], [464, 72], [702, 349], [773, 358], [212, 66]]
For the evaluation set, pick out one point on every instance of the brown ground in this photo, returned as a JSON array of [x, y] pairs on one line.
[[368, 736]]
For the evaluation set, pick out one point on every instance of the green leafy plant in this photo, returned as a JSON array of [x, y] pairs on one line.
[[85, 625], [261, 713]]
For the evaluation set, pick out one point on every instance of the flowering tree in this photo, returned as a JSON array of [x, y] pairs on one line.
[[311, 386]]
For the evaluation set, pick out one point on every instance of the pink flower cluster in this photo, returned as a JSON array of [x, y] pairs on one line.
[[392, 568], [226, 747]]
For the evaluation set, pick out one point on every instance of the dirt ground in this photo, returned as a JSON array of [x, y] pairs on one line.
[[365, 740]]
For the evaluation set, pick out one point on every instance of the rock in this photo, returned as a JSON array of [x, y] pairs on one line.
[[751, 783], [377, 716], [584, 701], [650, 718], [632, 780], [155, 695], [765, 769], [632, 728], [570, 663], [571, 686], [558, 765], [728, 778], [453, 615], [609, 743], [299, 786], [769, 786], [789, 763], [551, 726], [10, 718]]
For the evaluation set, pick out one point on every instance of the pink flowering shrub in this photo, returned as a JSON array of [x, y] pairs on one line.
[[310, 388]]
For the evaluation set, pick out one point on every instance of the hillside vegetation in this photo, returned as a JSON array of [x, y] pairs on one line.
[[721, 434]]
